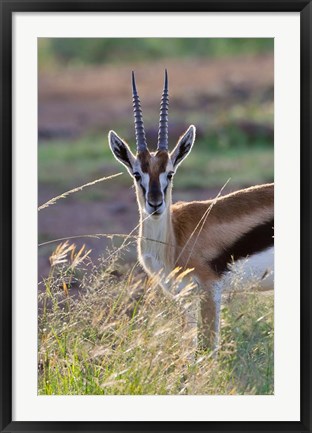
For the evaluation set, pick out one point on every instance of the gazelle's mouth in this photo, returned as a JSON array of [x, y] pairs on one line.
[[154, 213]]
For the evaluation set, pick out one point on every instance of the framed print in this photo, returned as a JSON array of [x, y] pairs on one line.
[[155, 262]]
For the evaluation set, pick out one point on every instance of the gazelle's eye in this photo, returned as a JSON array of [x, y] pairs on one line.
[[137, 176], [169, 175]]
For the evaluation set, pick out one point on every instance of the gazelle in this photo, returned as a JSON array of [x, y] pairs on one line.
[[211, 238]]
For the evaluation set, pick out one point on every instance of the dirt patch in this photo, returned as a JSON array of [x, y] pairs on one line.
[[72, 101]]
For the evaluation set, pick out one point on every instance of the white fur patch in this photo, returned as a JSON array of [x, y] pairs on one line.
[[256, 271], [145, 181], [163, 181]]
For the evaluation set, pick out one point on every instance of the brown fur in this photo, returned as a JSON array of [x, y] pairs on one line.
[[227, 219], [154, 163]]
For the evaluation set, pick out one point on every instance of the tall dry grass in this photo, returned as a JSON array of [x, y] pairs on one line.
[[118, 334]]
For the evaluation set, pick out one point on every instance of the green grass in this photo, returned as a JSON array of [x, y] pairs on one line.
[[84, 51], [122, 336], [203, 169]]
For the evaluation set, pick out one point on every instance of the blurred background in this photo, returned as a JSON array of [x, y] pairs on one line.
[[224, 87]]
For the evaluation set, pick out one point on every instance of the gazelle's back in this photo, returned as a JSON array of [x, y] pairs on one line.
[[211, 235]]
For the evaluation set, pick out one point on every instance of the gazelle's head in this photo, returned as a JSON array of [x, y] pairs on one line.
[[152, 171]]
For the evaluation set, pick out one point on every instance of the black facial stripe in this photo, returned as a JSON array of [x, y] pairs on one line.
[[154, 186], [143, 189], [254, 241]]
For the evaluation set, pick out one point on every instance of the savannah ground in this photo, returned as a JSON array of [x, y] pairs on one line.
[[103, 329]]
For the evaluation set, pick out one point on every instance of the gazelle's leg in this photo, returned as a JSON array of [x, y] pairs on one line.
[[190, 328], [210, 306]]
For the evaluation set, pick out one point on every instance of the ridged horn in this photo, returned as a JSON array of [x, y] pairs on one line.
[[138, 119], [163, 118]]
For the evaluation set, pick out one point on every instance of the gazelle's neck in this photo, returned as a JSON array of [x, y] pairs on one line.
[[156, 241]]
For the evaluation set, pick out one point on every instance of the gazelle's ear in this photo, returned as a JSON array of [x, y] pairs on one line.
[[121, 150], [183, 146]]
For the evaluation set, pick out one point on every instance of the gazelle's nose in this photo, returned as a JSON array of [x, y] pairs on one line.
[[154, 196], [154, 204]]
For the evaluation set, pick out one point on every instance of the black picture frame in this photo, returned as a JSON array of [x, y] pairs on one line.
[[8, 8]]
